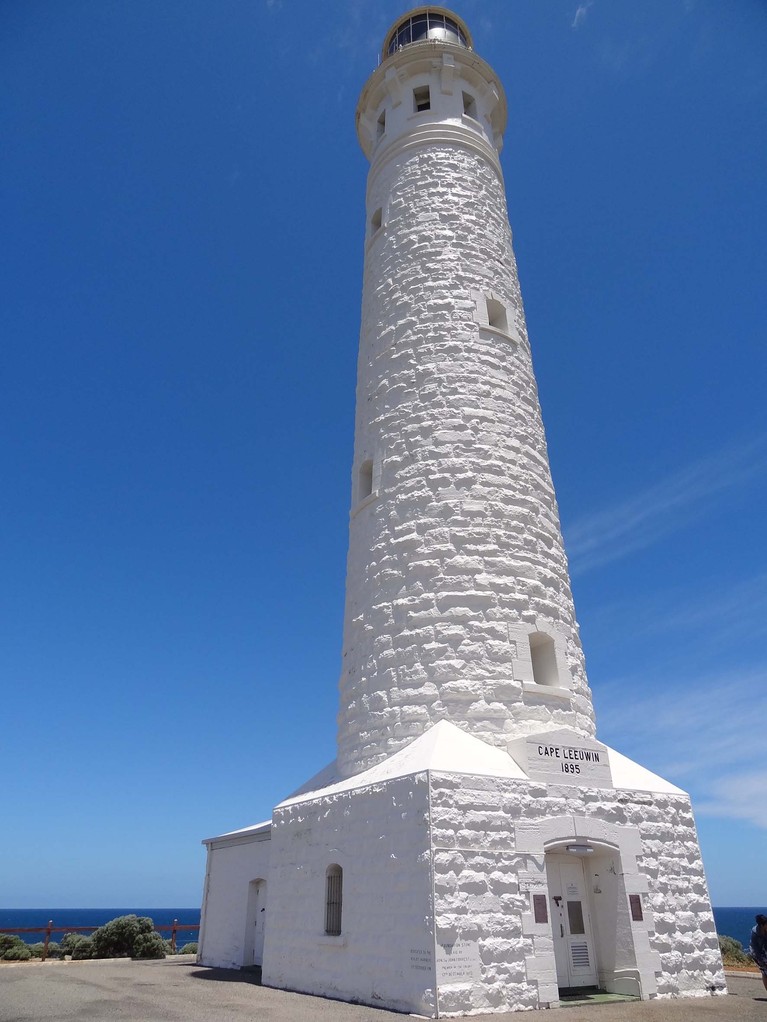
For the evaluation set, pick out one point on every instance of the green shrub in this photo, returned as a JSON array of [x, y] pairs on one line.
[[8, 941], [18, 953], [70, 941], [54, 949], [149, 945], [733, 953], [83, 949], [117, 938], [189, 949]]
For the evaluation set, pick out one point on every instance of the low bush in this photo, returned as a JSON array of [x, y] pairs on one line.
[[148, 945], [8, 941], [118, 937], [733, 953], [54, 949], [69, 941], [83, 950], [189, 949], [18, 953], [13, 948]]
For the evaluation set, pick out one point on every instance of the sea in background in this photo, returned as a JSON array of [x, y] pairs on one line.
[[730, 922], [736, 922], [72, 918]]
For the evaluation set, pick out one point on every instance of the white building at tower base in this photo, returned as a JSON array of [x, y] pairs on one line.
[[473, 848], [459, 869]]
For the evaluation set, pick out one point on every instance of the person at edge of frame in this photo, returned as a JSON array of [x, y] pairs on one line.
[[759, 946]]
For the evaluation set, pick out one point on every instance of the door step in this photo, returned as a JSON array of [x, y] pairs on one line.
[[569, 996]]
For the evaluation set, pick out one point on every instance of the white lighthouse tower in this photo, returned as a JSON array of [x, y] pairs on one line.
[[458, 603], [474, 847]]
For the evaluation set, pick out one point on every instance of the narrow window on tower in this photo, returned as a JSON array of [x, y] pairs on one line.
[[334, 879], [376, 220], [469, 105], [496, 315], [365, 480], [544, 659], [381, 125], [421, 98]]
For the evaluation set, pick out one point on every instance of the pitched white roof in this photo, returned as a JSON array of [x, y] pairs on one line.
[[444, 748]]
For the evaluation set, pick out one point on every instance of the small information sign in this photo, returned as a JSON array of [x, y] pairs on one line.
[[457, 962]]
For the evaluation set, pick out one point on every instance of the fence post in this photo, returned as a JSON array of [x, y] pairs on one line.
[[173, 937], [47, 938]]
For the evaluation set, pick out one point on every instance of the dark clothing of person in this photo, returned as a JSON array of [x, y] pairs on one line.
[[759, 947]]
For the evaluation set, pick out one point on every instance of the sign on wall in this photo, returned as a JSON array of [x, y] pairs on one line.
[[457, 962], [563, 757]]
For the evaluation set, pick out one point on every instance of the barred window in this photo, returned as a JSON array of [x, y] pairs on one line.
[[334, 878]]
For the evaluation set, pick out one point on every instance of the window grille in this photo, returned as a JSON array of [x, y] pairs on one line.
[[333, 900]]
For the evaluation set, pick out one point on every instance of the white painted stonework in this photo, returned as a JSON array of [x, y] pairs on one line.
[[474, 847]]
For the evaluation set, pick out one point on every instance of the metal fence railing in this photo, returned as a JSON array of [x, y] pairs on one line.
[[173, 928]]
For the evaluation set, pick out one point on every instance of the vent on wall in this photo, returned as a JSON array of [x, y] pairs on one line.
[[580, 955]]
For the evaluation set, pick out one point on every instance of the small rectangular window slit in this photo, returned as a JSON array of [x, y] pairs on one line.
[[635, 902], [365, 480], [540, 909], [421, 98]]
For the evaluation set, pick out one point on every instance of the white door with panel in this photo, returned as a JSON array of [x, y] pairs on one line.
[[571, 921]]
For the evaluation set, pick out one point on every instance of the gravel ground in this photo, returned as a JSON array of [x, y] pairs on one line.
[[177, 990]]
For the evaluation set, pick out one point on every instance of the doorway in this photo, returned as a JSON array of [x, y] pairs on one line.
[[571, 922], [253, 951]]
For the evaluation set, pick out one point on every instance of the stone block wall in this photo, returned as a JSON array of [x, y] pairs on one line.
[[457, 555], [379, 837], [488, 837]]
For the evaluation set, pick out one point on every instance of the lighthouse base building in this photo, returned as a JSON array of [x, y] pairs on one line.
[[473, 848], [472, 880]]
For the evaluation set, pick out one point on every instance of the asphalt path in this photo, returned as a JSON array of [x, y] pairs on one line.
[[177, 990]]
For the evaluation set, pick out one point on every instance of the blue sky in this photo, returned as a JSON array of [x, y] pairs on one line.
[[183, 207]]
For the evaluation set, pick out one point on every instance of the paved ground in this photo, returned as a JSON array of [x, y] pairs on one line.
[[174, 990]]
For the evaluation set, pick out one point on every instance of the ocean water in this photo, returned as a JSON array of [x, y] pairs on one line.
[[736, 922], [67, 920], [731, 922]]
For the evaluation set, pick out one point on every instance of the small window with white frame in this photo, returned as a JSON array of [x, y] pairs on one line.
[[469, 105], [544, 658], [496, 315]]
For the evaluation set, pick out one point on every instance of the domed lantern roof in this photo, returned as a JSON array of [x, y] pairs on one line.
[[426, 24]]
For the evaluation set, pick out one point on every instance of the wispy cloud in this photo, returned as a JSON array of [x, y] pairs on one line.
[[703, 734], [715, 618], [664, 507], [738, 797], [581, 13]]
